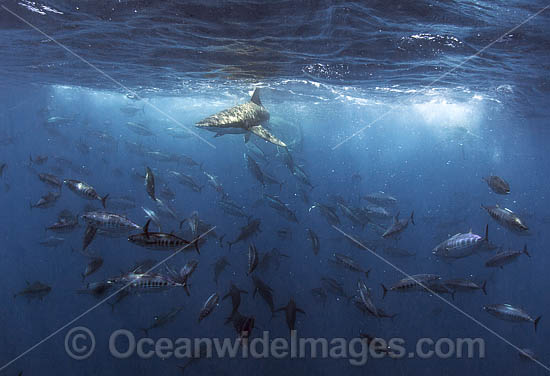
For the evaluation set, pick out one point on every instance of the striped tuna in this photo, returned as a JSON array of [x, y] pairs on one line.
[[508, 312], [84, 190], [506, 217], [109, 222], [461, 245]]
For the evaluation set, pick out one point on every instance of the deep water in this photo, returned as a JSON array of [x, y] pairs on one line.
[[369, 96]]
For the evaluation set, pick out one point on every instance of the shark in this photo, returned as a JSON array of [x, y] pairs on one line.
[[246, 118]]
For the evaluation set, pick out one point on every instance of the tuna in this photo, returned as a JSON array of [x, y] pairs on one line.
[[50, 179], [418, 282], [328, 212], [506, 217], [150, 183], [498, 185], [398, 226], [34, 290], [160, 241], [209, 306], [235, 295], [505, 257], [508, 312], [161, 320], [461, 245], [46, 201], [247, 231], [110, 222], [290, 313], [349, 263], [93, 266], [365, 295], [315, 243], [252, 258], [265, 291], [461, 284], [84, 190], [381, 198]]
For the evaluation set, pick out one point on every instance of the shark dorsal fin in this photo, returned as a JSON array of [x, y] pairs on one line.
[[256, 97]]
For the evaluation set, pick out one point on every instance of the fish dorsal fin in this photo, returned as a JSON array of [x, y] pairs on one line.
[[256, 97], [146, 228]]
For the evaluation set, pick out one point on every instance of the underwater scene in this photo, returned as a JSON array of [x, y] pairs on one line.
[[275, 187]]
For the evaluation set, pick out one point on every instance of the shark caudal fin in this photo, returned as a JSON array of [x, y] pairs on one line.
[[261, 132]]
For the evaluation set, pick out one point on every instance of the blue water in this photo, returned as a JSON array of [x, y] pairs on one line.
[[372, 96]]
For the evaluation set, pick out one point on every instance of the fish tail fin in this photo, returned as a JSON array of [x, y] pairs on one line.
[[483, 286], [412, 218], [525, 250], [384, 289], [104, 200], [229, 244], [196, 242], [537, 322], [367, 273]]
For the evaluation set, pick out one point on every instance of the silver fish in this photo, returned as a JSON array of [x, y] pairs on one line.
[[416, 282], [94, 264], [50, 179], [252, 258], [505, 257], [209, 306], [498, 184], [315, 243], [506, 217], [381, 198], [84, 190], [508, 312], [398, 226], [46, 201], [150, 183], [461, 284], [109, 222], [160, 241], [461, 245], [365, 295], [349, 263]]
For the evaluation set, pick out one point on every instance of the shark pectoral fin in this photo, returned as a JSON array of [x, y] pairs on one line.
[[261, 132]]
